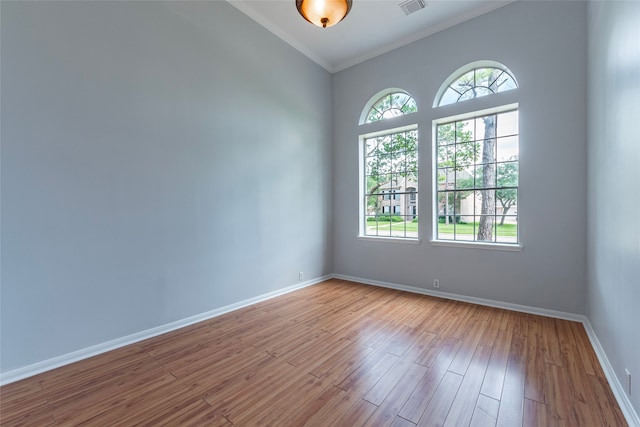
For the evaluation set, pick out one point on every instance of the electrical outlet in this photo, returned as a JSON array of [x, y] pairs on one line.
[[301, 275], [628, 381], [436, 283]]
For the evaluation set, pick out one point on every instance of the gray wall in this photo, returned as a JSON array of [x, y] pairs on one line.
[[613, 291], [159, 160], [544, 44]]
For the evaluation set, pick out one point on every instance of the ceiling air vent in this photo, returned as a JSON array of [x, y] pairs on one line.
[[411, 6]]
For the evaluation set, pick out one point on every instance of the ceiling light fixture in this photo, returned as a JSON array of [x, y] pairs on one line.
[[323, 13]]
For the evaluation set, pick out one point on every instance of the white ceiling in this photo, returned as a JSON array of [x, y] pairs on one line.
[[372, 27]]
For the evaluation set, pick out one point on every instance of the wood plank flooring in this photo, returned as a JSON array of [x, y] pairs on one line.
[[334, 354]]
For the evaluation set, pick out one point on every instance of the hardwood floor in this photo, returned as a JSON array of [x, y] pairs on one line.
[[334, 354]]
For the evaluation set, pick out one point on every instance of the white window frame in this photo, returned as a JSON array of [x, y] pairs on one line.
[[464, 109], [362, 184], [434, 187]]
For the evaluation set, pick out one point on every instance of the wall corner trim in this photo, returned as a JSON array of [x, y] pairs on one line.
[[85, 353], [616, 387]]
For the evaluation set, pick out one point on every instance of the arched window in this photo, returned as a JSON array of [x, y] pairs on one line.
[[476, 161], [389, 103], [476, 82], [389, 169]]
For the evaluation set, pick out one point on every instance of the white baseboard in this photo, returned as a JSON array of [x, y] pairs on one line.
[[623, 400], [473, 300], [626, 407], [618, 390], [85, 353]]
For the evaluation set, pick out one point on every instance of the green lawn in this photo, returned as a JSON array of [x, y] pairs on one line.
[[503, 230], [396, 226]]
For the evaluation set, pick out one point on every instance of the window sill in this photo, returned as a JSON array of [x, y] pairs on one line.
[[478, 245], [410, 241]]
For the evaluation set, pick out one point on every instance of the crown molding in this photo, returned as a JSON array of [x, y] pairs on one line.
[[278, 32]]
